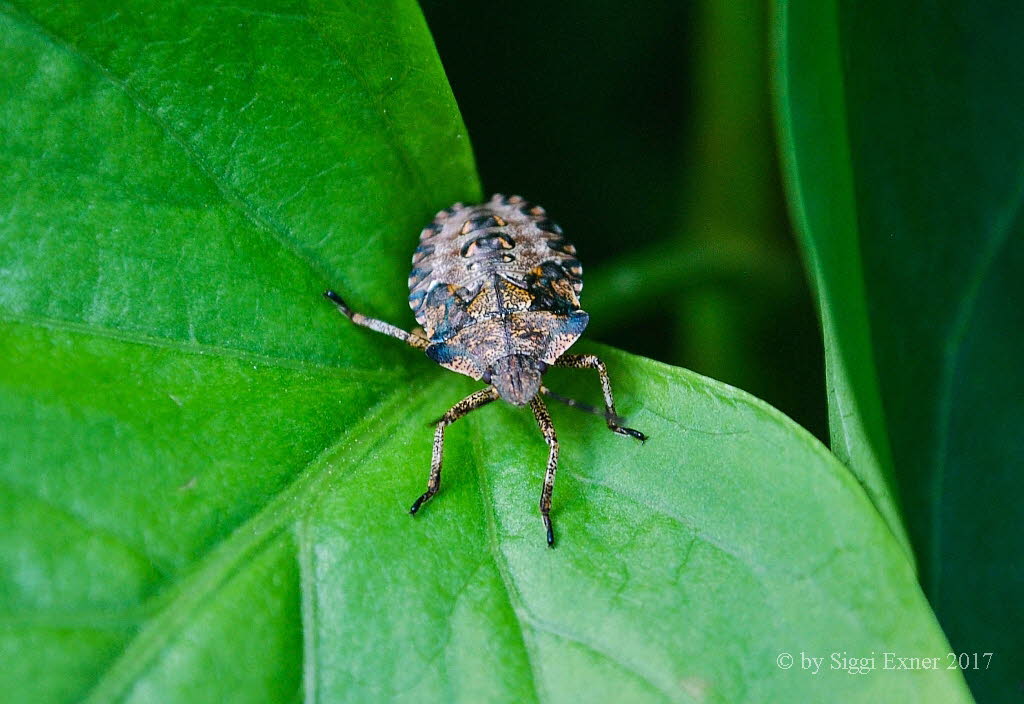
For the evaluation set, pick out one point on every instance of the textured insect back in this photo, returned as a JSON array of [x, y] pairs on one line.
[[495, 279]]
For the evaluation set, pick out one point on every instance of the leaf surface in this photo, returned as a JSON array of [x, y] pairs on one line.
[[206, 470]]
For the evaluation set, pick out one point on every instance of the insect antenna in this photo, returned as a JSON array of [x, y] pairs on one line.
[[586, 407]]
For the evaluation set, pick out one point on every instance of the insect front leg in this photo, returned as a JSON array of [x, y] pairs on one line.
[[540, 412], [589, 361], [470, 403], [388, 329]]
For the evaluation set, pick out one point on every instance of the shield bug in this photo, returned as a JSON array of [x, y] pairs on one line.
[[496, 290]]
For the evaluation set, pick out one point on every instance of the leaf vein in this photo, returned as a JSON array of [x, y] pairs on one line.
[[92, 528], [512, 594], [278, 232], [188, 347], [563, 634], [221, 561]]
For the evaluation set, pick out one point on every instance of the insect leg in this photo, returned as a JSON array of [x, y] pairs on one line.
[[540, 412], [409, 338], [589, 361], [472, 402]]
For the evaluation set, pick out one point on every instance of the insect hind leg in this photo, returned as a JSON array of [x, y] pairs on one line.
[[589, 361]]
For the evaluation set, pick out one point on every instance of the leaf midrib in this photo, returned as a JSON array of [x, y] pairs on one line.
[[512, 595], [222, 560], [525, 619]]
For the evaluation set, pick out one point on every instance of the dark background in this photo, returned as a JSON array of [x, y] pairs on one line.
[[646, 132]]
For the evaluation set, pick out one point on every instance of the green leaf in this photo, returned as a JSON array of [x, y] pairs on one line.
[[816, 158], [205, 470], [905, 155]]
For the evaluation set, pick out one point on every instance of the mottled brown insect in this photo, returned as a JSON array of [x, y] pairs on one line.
[[496, 290]]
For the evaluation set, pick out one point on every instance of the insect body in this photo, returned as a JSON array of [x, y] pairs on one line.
[[496, 288]]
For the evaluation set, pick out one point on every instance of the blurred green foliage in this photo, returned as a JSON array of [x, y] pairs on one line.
[[646, 131]]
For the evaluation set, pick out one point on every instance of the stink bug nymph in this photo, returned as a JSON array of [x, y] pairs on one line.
[[496, 290]]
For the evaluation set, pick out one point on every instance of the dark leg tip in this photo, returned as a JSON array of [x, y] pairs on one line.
[[550, 532], [419, 502], [631, 433], [337, 300]]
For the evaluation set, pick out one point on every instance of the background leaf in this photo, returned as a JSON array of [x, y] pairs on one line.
[[905, 150], [205, 470], [812, 123]]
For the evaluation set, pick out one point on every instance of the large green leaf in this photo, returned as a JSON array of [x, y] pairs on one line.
[[206, 470], [904, 143]]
